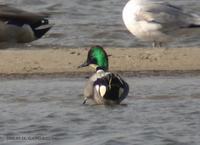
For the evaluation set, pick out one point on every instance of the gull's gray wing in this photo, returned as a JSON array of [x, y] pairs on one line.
[[169, 17]]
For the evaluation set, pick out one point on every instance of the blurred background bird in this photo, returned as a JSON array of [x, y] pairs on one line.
[[20, 26], [158, 21]]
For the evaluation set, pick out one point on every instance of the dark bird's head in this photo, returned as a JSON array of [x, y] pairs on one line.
[[97, 58], [40, 27]]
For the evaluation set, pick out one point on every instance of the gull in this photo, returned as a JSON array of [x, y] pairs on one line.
[[158, 22]]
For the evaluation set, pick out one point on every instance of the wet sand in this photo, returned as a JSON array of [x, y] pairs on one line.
[[124, 60]]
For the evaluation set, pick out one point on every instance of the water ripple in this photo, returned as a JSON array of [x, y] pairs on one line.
[[81, 23], [159, 110]]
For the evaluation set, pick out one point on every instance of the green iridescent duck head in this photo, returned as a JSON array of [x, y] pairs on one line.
[[97, 58]]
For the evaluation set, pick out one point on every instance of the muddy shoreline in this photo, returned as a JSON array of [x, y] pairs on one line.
[[125, 61], [87, 74]]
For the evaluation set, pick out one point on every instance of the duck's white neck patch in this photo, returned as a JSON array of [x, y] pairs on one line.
[[100, 71]]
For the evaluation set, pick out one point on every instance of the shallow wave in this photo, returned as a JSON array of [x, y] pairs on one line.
[[158, 110]]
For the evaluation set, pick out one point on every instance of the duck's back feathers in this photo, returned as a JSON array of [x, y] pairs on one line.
[[110, 89], [9, 13]]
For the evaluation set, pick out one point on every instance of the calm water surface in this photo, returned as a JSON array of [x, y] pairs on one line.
[[158, 111], [81, 23]]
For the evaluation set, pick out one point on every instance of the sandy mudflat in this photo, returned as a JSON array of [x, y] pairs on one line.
[[65, 61]]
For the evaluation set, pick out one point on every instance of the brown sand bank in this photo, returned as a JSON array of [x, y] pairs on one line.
[[65, 61]]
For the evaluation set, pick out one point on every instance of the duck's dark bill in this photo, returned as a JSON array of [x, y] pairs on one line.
[[83, 65]]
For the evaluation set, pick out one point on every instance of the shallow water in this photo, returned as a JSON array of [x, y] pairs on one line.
[[82, 23], [158, 111]]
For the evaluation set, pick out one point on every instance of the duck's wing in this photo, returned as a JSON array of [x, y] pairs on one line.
[[88, 90], [9, 13], [164, 16], [124, 87], [111, 87]]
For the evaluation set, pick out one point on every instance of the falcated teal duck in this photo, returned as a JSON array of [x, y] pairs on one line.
[[103, 87]]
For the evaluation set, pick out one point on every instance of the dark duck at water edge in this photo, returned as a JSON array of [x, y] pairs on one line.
[[103, 87], [19, 26]]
